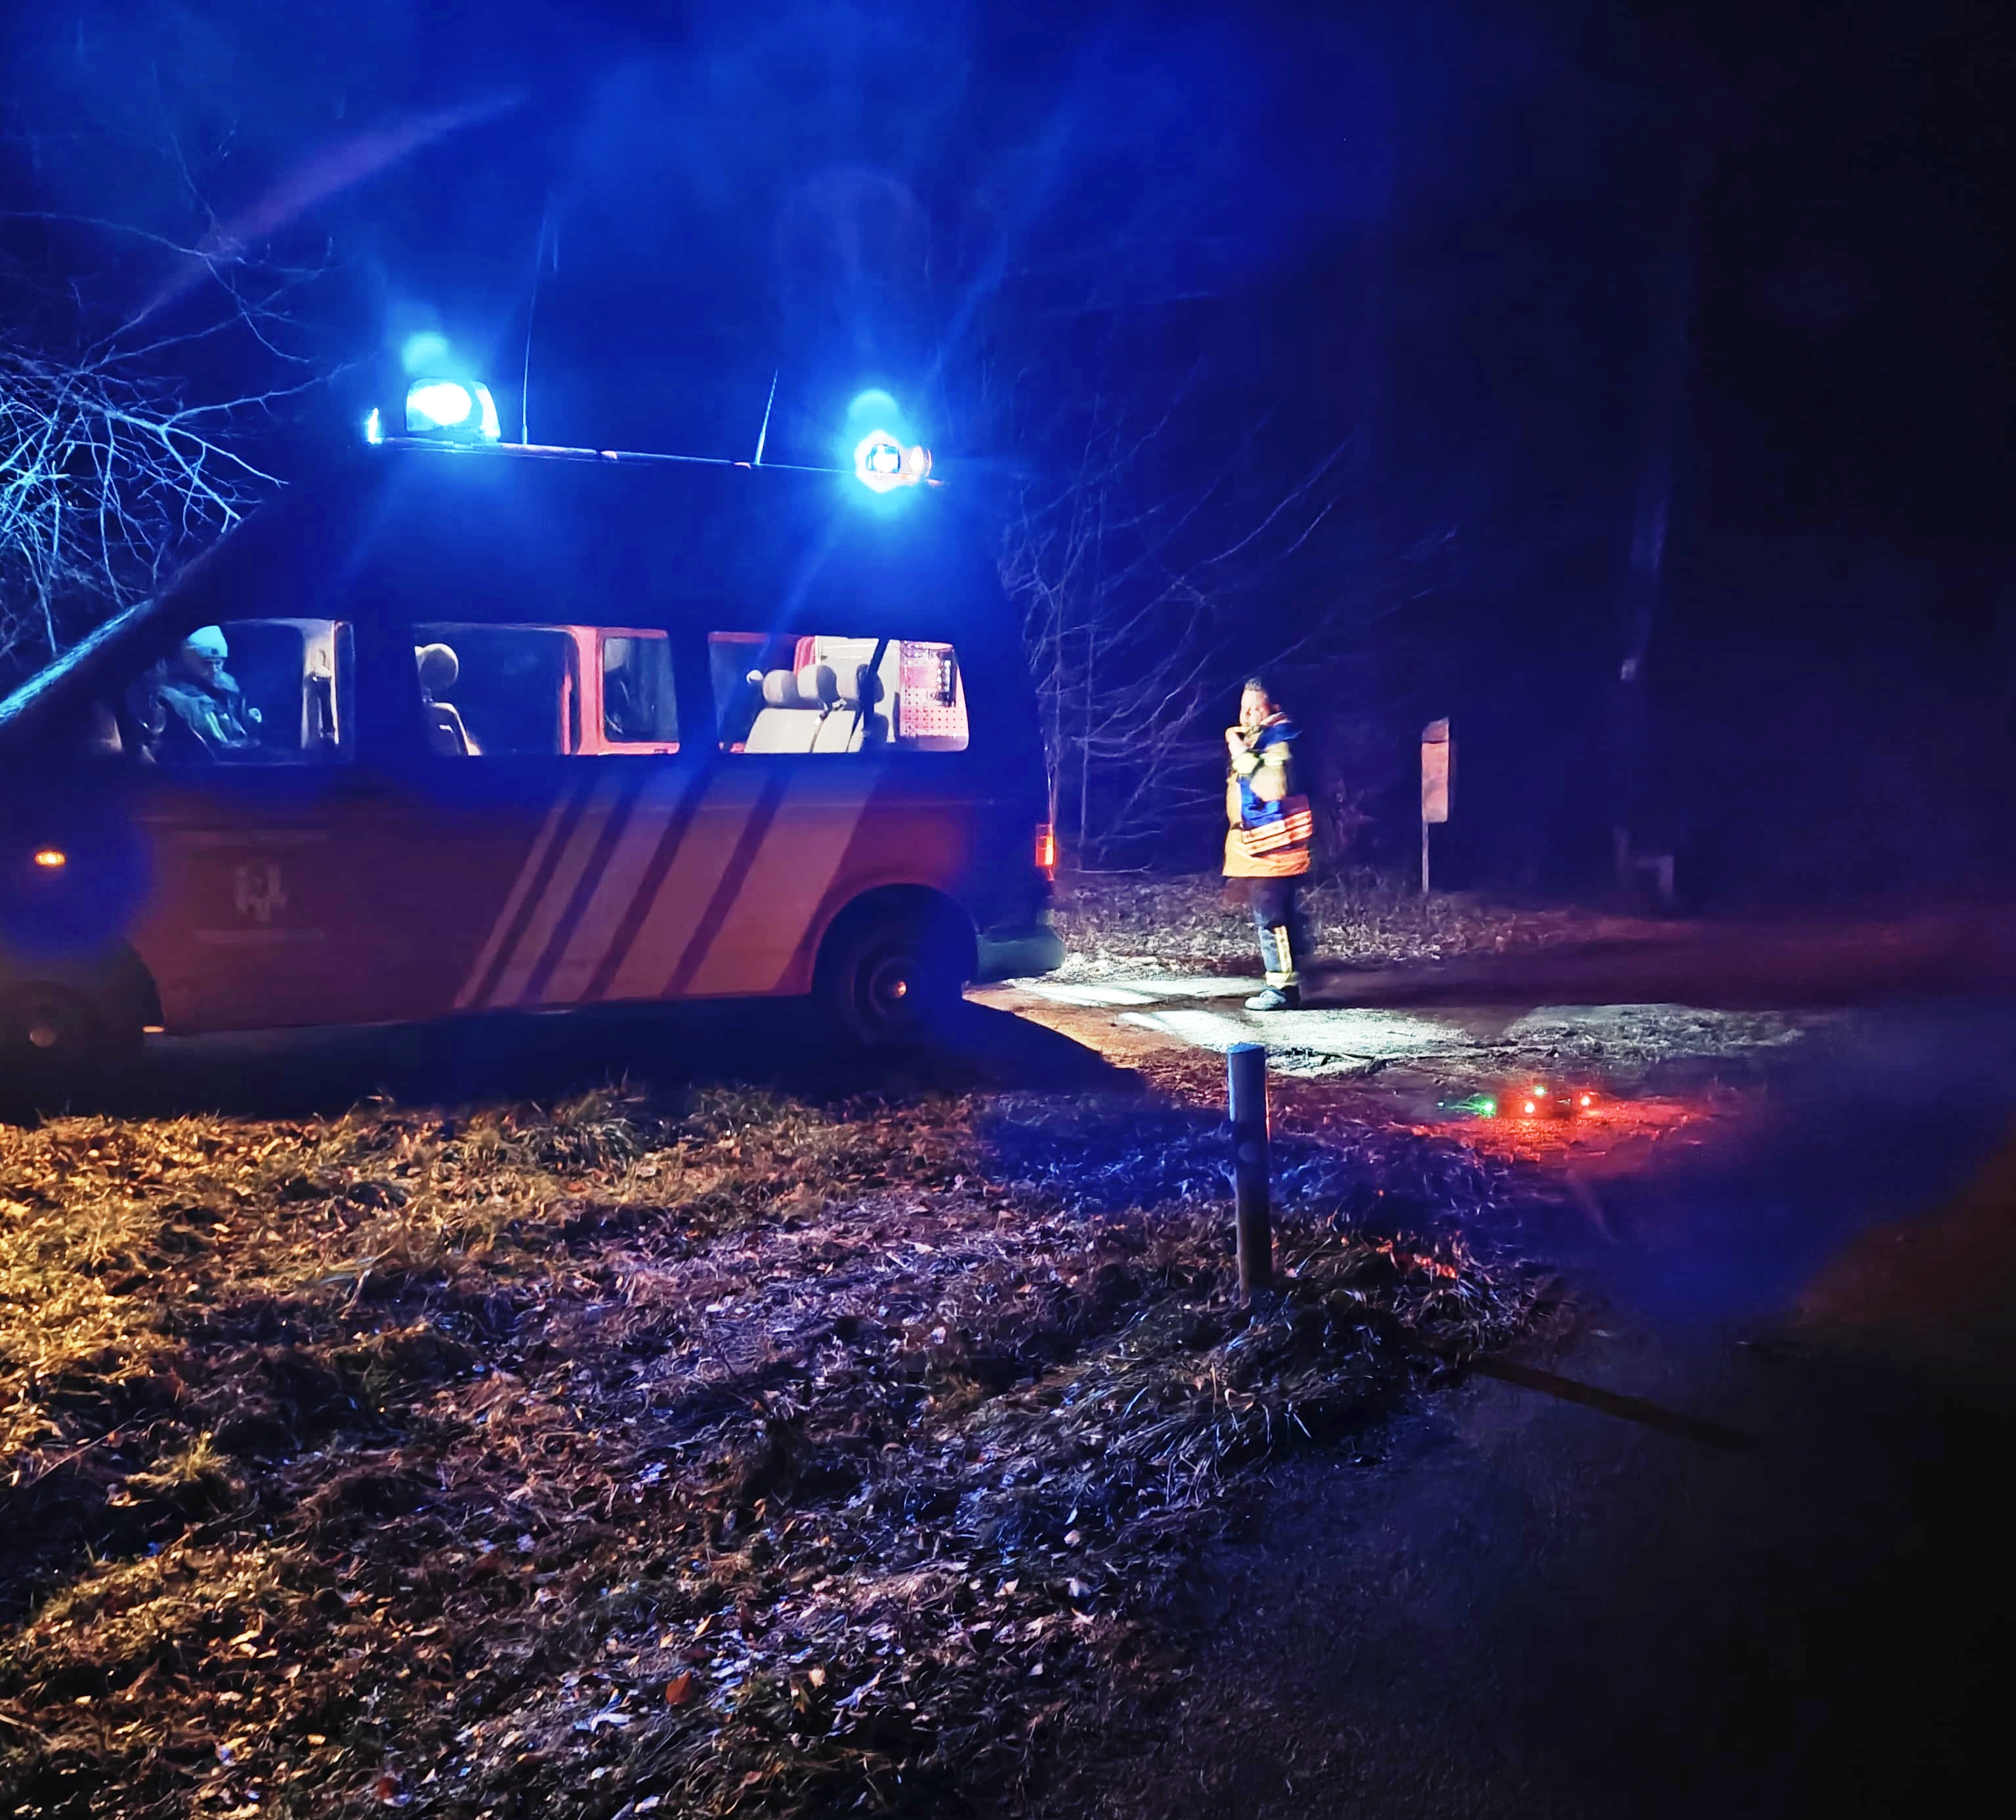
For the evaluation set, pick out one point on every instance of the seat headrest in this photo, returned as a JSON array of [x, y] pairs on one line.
[[815, 686], [781, 690], [439, 667], [858, 686]]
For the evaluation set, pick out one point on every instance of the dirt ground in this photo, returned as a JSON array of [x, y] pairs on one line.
[[611, 1417]]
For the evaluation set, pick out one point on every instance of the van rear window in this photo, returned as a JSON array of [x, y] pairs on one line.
[[819, 694]]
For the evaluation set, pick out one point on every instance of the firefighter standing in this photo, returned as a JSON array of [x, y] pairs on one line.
[[1267, 845]]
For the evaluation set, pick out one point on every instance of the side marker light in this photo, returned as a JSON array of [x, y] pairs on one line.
[[52, 859]]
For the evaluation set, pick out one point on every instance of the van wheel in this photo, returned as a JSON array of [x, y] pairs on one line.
[[54, 1043], [891, 978]]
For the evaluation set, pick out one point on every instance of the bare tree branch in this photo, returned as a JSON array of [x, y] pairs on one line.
[[1130, 591], [107, 481], [119, 459]]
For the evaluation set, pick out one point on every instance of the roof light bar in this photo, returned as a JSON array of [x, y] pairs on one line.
[[461, 415]]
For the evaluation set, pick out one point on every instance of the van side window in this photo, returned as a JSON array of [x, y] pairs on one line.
[[250, 691], [572, 691], [639, 702], [834, 694]]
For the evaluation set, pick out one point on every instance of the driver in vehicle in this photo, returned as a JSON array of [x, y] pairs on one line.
[[203, 714]]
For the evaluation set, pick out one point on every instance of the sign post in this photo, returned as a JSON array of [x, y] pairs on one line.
[[1438, 765]]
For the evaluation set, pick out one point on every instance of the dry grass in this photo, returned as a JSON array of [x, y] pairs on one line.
[[730, 1454]]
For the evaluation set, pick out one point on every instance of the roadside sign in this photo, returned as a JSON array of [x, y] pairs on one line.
[[1435, 768], [1438, 767]]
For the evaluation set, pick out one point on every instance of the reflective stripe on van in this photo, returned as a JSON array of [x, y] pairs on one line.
[[666, 886]]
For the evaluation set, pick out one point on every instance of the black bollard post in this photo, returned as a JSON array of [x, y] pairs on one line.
[[1246, 1093]]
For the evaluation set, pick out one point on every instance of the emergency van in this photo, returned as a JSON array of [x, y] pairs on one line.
[[464, 729]]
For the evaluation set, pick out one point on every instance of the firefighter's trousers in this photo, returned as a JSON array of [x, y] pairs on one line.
[[1277, 917]]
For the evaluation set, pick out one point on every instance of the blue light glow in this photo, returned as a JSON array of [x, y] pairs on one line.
[[491, 430], [878, 461], [374, 428], [875, 406], [877, 442], [882, 463], [439, 405], [425, 349]]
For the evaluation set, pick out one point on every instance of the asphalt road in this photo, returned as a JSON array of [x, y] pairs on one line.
[[1631, 1047]]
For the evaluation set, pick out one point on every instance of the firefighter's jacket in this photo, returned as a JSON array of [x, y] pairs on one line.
[[200, 722], [1260, 779]]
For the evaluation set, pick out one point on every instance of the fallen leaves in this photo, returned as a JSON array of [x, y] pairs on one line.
[[1159, 921]]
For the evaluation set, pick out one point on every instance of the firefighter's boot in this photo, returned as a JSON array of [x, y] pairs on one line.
[[1276, 999]]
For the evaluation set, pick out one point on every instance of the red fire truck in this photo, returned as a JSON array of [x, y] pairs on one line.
[[463, 728]]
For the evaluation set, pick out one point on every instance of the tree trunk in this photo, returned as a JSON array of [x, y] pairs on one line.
[[1636, 789]]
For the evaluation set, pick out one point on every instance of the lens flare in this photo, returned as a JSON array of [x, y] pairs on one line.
[[873, 403], [426, 349]]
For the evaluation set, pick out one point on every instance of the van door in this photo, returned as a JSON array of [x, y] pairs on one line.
[[257, 819], [543, 815]]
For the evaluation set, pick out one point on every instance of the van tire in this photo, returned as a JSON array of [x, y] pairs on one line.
[[55, 1042], [891, 975]]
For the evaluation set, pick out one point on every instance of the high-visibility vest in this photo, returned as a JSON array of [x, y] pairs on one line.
[[1269, 835]]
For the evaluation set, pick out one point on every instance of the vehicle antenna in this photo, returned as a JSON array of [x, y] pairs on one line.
[[762, 435], [531, 310]]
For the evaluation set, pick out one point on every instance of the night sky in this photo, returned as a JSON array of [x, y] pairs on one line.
[[1466, 238]]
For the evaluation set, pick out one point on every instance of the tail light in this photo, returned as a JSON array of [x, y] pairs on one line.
[[1046, 849]]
